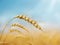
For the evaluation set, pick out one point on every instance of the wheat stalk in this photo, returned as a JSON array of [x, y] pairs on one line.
[[34, 23]]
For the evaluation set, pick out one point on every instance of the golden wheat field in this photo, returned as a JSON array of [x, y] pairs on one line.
[[19, 34]]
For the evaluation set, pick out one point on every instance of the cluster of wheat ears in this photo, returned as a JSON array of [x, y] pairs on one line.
[[26, 39]]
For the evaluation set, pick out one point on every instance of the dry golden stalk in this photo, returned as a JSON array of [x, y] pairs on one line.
[[29, 20], [21, 26]]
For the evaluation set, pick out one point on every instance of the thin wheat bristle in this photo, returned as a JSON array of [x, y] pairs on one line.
[[19, 25], [30, 21]]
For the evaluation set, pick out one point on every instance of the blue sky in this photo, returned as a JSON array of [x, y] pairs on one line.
[[40, 10]]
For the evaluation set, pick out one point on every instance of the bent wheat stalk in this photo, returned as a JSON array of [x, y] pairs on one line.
[[24, 18]]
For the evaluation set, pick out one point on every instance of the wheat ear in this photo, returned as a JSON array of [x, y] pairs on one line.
[[20, 26], [34, 23], [15, 30]]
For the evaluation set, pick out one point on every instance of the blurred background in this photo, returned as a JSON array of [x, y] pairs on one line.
[[40, 10], [45, 12]]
